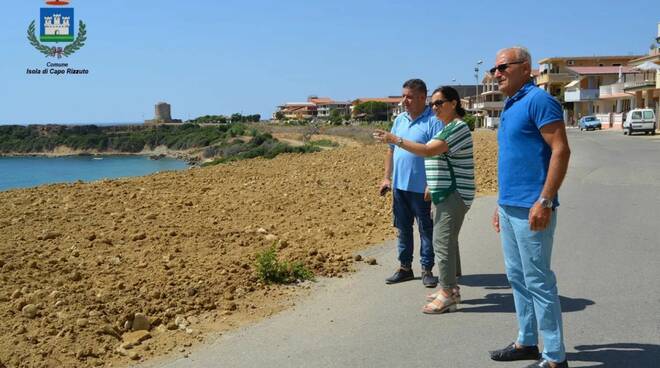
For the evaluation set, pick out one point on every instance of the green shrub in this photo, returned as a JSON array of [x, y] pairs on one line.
[[324, 143], [272, 270]]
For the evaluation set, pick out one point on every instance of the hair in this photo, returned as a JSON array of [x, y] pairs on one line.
[[522, 53], [450, 94], [417, 85]]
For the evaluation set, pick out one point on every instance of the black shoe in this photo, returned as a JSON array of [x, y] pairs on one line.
[[428, 279], [545, 364], [511, 353], [400, 275]]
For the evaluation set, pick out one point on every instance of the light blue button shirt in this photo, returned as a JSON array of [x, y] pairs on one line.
[[408, 169]]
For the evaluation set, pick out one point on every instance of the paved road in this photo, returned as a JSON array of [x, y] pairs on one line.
[[607, 259]]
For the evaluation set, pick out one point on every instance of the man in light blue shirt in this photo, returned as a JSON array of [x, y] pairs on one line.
[[405, 175]]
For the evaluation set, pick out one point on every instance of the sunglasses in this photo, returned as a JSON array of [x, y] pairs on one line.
[[502, 67], [437, 103]]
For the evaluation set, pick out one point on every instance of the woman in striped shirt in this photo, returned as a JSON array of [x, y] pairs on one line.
[[449, 168]]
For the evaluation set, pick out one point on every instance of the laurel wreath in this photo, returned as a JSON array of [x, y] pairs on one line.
[[52, 51]]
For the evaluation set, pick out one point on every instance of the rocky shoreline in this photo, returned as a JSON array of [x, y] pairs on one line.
[[156, 153]]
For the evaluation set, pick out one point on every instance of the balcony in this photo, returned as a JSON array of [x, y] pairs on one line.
[[639, 85], [611, 90], [489, 105], [578, 95], [554, 78]]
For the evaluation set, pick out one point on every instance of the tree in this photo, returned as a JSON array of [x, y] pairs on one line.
[[336, 117], [279, 115], [470, 120], [236, 117], [371, 110]]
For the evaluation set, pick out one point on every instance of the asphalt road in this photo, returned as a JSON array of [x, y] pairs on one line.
[[606, 256]]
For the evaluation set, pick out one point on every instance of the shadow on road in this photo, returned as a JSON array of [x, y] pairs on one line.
[[503, 302], [619, 355], [487, 281]]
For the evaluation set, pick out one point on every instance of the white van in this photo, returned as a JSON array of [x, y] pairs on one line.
[[639, 120]]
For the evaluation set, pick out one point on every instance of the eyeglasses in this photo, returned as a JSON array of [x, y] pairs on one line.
[[437, 103], [502, 67]]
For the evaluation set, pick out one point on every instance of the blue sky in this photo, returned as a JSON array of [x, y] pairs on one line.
[[220, 57]]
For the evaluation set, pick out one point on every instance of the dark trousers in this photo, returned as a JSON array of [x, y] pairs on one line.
[[409, 206]]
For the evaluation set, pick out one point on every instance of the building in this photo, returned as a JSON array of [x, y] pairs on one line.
[[554, 74], [489, 103], [325, 105], [637, 86], [296, 110], [582, 95], [162, 115], [394, 105]]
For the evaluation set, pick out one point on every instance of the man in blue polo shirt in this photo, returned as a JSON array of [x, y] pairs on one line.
[[405, 174], [533, 159]]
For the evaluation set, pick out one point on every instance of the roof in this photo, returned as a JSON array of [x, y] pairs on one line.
[[318, 100], [655, 57], [333, 103], [629, 57], [292, 104], [378, 99], [590, 70]]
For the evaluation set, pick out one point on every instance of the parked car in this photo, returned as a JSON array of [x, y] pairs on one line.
[[589, 123], [639, 120]]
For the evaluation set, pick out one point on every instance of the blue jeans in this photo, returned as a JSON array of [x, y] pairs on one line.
[[409, 206], [527, 256]]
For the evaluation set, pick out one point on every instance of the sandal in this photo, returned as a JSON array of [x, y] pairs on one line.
[[456, 294], [441, 304]]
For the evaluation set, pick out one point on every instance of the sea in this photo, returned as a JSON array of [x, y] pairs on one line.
[[26, 172]]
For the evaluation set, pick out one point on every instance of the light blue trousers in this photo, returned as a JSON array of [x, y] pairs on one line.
[[527, 256]]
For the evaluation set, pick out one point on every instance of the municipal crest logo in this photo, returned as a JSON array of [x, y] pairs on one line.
[[57, 25]]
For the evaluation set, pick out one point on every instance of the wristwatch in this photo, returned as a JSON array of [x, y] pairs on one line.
[[545, 202], [399, 141]]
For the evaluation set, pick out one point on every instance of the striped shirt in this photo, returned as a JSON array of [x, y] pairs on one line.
[[458, 160]]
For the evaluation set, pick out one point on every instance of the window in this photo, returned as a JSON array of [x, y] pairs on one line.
[[637, 115], [616, 64], [570, 62], [648, 115]]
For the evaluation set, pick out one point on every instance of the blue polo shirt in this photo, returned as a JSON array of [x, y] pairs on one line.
[[524, 156], [408, 169]]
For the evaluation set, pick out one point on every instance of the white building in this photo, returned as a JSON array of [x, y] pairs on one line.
[[56, 25]]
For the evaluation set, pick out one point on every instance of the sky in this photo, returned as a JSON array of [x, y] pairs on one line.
[[221, 57]]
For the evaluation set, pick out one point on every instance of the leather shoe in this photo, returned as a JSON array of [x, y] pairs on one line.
[[511, 353], [400, 275], [428, 279], [546, 364]]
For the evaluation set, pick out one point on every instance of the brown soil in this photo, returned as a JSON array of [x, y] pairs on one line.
[[83, 264]]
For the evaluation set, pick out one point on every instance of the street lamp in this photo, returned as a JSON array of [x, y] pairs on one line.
[[476, 85], [476, 77]]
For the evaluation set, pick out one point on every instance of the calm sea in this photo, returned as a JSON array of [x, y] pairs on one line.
[[23, 172]]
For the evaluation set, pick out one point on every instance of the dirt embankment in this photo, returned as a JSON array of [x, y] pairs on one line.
[[172, 255]]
